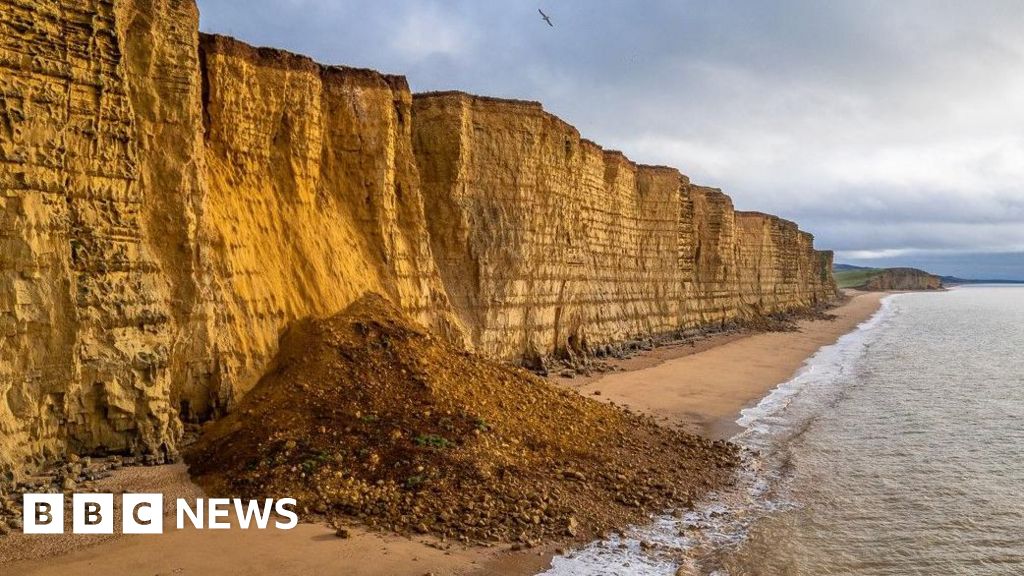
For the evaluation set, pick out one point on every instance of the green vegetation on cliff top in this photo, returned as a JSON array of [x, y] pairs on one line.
[[854, 277]]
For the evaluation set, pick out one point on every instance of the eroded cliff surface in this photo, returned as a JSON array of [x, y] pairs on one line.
[[546, 243], [903, 279], [312, 199], [170, 203], [98, 144], [549, 245], [778, 269]]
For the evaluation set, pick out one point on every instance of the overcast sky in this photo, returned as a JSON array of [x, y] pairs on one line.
[[891, 130]]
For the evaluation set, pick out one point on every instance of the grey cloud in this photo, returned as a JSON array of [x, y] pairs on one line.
[[877, 124]]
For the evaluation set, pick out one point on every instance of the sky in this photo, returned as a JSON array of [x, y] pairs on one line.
[[892, 130]]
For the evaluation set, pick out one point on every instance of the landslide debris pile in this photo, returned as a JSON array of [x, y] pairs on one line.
[[368, 418]]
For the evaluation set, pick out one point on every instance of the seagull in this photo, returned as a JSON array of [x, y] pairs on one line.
[[545, 17]]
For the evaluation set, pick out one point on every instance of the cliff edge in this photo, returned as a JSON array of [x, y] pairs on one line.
[[883, 279], [903, 279]]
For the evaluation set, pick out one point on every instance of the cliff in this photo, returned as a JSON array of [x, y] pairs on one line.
[[170, 203], [903, 279], [881, 279], [779, 271], [312, 199], [548, 244]]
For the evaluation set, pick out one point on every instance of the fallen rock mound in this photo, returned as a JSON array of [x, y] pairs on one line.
[[365, 417]]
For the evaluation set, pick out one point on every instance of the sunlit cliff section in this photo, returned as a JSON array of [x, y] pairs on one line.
[[549, 245], [313, 198], [779, 271], [170, 203], [96, 259]]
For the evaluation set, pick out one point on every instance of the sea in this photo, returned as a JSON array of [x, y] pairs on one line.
[[898, 450]]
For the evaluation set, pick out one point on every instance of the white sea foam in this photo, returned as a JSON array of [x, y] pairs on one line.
[[813, 384], [690, 541]]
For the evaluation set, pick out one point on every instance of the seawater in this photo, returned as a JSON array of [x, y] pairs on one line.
[[899, 450]]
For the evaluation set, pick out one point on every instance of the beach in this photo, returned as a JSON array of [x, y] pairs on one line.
[[702, 386]]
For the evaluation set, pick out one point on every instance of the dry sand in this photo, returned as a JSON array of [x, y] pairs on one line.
[[703, 386]]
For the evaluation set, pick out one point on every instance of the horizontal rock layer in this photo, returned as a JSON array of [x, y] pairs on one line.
[[171, 202], [548, 244], [903, 279]]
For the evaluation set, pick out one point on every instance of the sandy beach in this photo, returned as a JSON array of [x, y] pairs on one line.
[[701, 386], [704, 386]]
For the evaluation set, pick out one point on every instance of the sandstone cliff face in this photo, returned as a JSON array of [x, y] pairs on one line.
[[170, 203], [91, 214], [903, 279], [312, 199], [714, 296], [169, 206], [546, 243], [549, 245], [778, 269]]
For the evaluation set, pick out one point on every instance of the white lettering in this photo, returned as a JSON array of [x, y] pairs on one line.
[[92, 513], [142, 513], [218, 508], [253, 511], [184, 510], [282, 510]]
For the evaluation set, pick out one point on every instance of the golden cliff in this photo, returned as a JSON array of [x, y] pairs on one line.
[[902, 279], [171, 202], [547, 244]]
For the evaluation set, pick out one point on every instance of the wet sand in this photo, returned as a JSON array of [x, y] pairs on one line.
[[701, 386], [704, 387]]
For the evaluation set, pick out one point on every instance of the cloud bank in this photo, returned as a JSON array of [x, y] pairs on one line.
[[894, 131]]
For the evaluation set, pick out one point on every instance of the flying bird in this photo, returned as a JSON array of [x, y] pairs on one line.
[[545, 17]]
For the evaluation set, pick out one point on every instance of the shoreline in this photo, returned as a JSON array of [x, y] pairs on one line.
[[701, 386], [704, 386]]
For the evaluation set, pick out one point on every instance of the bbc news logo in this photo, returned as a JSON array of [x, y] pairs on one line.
[[144, 513]]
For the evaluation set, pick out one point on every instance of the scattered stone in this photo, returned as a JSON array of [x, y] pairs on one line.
[[575, 475], [573, 529]]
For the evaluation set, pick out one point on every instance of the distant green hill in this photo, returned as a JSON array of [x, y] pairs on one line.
[[884, 278], [845, 267], [850, 276], [854, 276]]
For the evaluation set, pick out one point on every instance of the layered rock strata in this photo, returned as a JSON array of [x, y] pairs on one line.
[[548, 244], [171, 202], [312, 199], [778, 269], [98, 138], [903, 279]]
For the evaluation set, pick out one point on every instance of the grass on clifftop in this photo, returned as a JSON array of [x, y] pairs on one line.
[[855, 278], [368, 419]]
